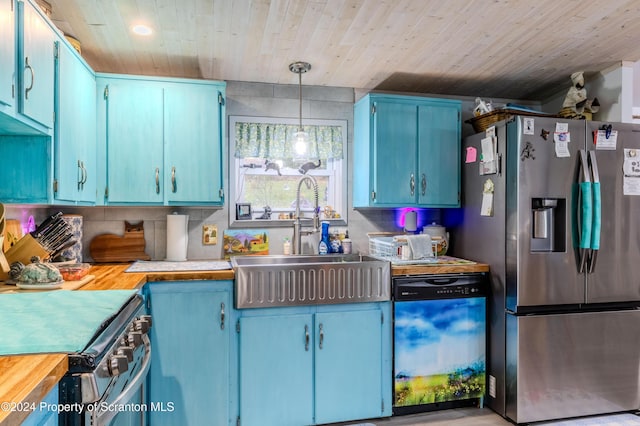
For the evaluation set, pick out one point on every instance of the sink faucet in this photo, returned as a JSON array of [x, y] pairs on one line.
[[297, 232]]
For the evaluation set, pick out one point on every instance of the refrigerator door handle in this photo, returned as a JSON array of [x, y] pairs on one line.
[[597, 211], [584, 213]]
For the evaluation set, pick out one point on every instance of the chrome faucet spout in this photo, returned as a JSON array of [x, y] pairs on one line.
[[297, 232]]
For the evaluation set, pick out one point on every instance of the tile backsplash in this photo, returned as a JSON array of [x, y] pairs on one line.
[[110, 220]]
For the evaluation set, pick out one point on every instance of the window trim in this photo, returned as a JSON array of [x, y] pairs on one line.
[[233, 178]]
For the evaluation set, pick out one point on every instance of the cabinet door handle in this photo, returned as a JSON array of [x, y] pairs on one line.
[[306, 337], [321, 340], [424, 184], [173, 179], [33, 77], [221, 316], [80, 175], [412, 183], [83, 170], [157, 180]]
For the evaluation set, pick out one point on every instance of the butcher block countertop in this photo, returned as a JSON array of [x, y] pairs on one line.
[[400, 270], [28, 378], [24, 381]]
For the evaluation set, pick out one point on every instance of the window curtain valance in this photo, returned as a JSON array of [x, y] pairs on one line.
[[267, 140]]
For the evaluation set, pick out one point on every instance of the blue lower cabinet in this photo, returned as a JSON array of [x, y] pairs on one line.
[[45, 413], [193, 346], [348, 365], [308, 365], [276, 370]]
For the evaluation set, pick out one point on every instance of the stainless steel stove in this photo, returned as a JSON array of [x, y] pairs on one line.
[[105, 381]]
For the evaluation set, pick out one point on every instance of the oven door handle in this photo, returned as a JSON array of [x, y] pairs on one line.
[[104, 417]]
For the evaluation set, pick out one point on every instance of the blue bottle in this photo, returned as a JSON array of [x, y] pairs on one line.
[[324, 247]]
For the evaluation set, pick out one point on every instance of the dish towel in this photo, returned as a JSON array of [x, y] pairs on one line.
[[420, 246]]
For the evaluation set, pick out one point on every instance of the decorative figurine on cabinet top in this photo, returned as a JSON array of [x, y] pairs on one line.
[[576, 104]]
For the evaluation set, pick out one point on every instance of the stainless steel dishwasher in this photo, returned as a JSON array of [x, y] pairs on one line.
[[439, 341]]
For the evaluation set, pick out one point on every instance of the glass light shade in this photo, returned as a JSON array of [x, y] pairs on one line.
[[301, 140]]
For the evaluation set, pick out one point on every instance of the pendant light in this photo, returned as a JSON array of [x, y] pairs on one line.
[[301, 137]]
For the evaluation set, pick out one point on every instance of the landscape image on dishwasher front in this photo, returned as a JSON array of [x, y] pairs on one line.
[[439, 351]]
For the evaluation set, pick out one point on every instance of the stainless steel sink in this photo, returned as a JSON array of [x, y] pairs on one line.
[[271, 281]]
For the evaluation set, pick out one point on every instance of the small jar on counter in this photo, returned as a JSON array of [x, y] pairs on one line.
[[286, 248], [346, 246]]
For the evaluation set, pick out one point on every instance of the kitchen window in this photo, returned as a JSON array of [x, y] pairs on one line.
[[265, 169]]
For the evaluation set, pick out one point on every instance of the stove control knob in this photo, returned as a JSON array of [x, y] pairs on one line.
[[141, 325], [147, 318], [126, 351], [117, 365], [134, 338]]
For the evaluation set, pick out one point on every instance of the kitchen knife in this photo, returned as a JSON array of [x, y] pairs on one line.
[[38, 232], [62, 247]]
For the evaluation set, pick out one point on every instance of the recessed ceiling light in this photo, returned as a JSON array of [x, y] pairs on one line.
[[142, 30]]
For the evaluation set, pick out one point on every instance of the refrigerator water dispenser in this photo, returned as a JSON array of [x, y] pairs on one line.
[[548, 224]]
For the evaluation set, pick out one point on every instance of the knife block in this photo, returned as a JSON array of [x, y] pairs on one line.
[[23, 251]]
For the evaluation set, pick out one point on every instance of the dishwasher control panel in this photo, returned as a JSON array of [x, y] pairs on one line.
[[445, 286]]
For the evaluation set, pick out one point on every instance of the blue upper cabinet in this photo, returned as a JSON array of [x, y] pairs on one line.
[[134, 140], [162, 140], [28, 172], [439, 154], [408, 151], [194, 119], [36, 65], [27, 69], [7, 53], [75, 130]]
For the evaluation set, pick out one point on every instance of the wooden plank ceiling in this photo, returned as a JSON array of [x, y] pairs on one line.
[[517, 49]]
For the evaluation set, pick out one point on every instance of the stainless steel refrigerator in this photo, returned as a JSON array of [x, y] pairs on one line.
[[558, 221]]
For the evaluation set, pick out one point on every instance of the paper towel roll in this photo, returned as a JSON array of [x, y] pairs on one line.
[[410, 219], [75, 251], [177, 237]]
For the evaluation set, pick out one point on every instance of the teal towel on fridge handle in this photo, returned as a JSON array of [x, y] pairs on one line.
[[597, 217], [586, 212]]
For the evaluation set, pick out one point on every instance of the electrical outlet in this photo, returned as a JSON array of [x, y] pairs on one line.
[[209, 235]]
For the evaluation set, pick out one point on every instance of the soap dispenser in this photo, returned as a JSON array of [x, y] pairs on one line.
[[324, 246]]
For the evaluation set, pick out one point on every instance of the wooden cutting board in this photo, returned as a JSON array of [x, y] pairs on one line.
[[67, 285], [115, 248]]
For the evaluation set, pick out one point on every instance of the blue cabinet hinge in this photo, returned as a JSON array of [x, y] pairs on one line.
[[382, 405], [106, 92], [238, 421], [221, 192], [56, 47], [381, 317], [373, 109], [238, 326], [220, 98]]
